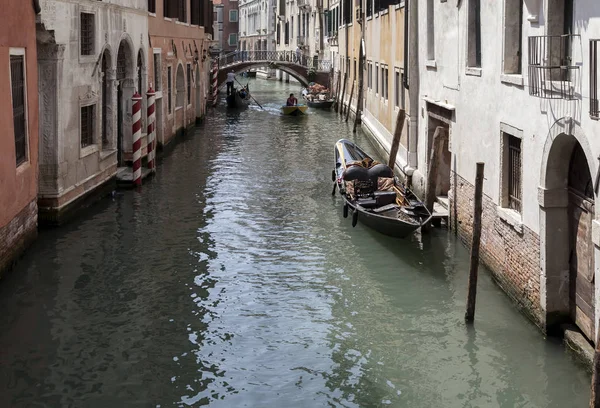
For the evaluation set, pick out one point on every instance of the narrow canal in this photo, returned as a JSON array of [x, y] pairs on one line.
[[232, 280]]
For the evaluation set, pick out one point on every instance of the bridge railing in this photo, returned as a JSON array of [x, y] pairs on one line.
[[238, 57]]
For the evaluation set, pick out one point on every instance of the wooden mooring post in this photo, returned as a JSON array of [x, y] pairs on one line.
[[337, 91], [350, 101], [477, 209], [400, 118], [341, 105]]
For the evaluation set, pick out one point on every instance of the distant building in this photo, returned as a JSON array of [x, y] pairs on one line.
[[300, 31], [179, 63], [19, 135], [257, 28], [227, 23]]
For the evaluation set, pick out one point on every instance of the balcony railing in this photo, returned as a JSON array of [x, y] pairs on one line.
[[552, 73], [303, 4]]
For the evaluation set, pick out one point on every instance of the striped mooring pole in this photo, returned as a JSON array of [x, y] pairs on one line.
[[214, 83], [137, 138], [151, 129]]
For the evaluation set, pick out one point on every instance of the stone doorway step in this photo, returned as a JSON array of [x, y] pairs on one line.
[[125, 176], [440, 210]]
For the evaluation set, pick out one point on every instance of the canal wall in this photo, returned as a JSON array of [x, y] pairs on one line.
[[17, 235], [510, 251]]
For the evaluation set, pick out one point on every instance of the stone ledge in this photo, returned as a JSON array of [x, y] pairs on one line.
[[552, 198], [578, 346]]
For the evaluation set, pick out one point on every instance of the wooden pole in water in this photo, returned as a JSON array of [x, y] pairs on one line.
[[477, 209], [350, 101], [343, 93], [337, 91], [400, 118]]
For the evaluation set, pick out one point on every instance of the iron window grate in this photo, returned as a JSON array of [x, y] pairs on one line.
[[514, 173], [87, 125], [17, 77], [87, 34]]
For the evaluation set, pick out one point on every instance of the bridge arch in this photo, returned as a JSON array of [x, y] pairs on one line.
[[289, 68]]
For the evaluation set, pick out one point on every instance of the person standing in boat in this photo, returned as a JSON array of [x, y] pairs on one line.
[[292, 101], [230, 79]]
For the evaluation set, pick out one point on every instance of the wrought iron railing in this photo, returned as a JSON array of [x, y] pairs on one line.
[[552, 74], [239, 57]]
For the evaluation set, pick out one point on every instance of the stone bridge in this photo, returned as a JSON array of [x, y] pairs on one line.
[[304, 69]]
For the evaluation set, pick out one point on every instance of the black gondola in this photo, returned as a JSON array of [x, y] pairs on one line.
[[238, 99], [374, 195], [326, 104]]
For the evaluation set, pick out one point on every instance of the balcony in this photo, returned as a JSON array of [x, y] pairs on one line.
[[303, 4], [552, 73]]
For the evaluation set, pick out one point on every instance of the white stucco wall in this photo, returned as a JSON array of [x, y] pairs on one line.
[[484, 101]]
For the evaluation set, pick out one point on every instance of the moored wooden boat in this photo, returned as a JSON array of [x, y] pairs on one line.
[[326, 104], [373, 194], [294, 110]]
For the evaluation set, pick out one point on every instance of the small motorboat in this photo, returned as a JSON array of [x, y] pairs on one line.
[[295, 110], [374, 194], [239, 98]]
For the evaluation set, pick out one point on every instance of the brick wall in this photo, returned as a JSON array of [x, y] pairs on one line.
[[512, 254], [17, 235]]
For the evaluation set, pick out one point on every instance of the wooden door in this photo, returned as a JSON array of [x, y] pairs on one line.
[[581, 277], [581, 259]]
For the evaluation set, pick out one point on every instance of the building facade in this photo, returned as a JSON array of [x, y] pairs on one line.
[[227, 22], [179, 64], [514, 85], [300, 31], [92, 59], [257, 28], [19, 136]]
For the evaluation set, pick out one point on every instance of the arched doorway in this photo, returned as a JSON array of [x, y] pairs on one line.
[[107, 97], [567, 250], [125, 90]]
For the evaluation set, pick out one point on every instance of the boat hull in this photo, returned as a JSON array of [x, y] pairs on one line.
[[294, 110], [320, 104], [235, 101], [399, 222]]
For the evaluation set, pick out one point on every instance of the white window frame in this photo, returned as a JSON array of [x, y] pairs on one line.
[[385, 79], [513, 217], [377, 79], [21, 52]]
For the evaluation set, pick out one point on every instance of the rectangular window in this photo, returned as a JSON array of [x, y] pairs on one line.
[[369, 10], [233, 16], [511, 172], [157, 79], [474, 34], [189, 83], [232, 39], [594, 108], [278, 35], [513, 36], [430, 30], [384, 81], [369, 75], [181, 11], [19, 106], [87, 124], [152, 6], [197, 12], [169, 90], [397, 85], [559, 46], [376, 79], [355, 70], [86, 39]]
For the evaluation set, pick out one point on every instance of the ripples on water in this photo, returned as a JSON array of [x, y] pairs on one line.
[[233, 280]]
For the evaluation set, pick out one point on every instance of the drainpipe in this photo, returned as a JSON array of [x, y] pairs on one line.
[[413, 92], [405, 79]]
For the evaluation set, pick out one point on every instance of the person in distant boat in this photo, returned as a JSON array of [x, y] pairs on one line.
[[230, 79], [292, 101]]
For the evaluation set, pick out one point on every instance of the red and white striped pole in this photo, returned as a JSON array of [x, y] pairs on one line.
[[137, 138], [151, 129], [214, 83]]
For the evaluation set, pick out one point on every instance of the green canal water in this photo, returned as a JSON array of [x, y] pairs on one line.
[[232, 280]]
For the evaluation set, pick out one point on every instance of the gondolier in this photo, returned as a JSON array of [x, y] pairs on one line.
[[230, 80]]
